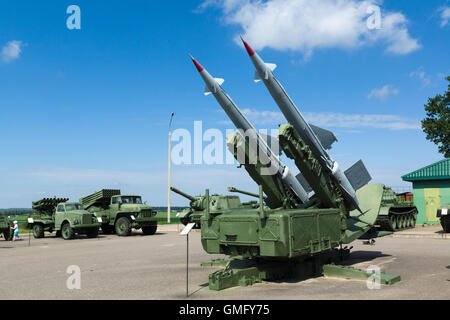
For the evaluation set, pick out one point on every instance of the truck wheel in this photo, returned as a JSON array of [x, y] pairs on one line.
[[107, 229], [8, 235], [38, 230], [123, 226], [92, 232], [67, 232], [149, 230]]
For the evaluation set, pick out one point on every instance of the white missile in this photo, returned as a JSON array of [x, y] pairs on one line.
[[213, 86], [264, 72]]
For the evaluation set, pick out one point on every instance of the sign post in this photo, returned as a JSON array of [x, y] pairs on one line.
[[30, 221], [185, 232]]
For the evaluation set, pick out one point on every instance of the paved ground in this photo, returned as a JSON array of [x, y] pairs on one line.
[[423, 231], [154, 267]]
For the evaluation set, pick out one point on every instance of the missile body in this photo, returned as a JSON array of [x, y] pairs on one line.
[[213, 86], [295, 118]]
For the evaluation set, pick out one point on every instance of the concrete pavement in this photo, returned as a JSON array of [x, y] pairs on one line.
[[154, 267]]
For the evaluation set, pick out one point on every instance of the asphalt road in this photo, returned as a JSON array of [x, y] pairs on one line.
[[154, 267]]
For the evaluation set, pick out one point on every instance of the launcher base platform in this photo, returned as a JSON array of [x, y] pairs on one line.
[[246, 272]]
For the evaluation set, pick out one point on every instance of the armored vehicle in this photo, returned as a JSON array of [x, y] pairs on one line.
[[66, 218], [217, 203], [120, 213], [395, 214], [5, 228], [444, 215], [302, 222]]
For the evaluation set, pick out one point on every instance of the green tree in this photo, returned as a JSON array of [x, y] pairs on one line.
[[437, 123]]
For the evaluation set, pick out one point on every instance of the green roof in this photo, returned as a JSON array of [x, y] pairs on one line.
[[436, 171]]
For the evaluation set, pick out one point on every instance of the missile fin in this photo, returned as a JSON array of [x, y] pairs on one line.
[[219, 81], [326, 137], [271, 66], [207, 91], [303, 182], [257, 77], [357, 175]]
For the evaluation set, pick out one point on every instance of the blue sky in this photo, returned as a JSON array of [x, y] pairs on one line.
[[85, 109]]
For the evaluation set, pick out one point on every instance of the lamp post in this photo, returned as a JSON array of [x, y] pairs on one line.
[[168, 172]]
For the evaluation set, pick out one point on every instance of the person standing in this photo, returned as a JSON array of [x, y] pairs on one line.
[[16, 230]]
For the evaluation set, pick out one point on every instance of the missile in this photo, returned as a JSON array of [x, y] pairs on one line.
[[213, 86], [264, 72]]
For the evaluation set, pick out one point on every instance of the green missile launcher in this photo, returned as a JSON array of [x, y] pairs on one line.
[[269, 242]]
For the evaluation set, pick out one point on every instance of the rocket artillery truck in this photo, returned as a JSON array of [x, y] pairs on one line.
[[120, 213], [66, 218], [5, 228], [292, 232]]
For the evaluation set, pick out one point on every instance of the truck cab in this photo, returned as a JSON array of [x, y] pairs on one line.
[[71, 218], [132, 212]]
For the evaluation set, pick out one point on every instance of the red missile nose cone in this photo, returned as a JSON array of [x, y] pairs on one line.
[[249, 49], [197, 65]]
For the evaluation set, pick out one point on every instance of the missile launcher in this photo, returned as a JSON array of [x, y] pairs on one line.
[[299, 227]]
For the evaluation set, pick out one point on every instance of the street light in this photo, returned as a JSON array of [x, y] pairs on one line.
[[168, 173]]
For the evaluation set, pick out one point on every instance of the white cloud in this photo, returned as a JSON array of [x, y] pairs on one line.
[[304, 25], [422, 75], [11, 50], [264, 117], [338, 120], [445, 16], [383, 92]]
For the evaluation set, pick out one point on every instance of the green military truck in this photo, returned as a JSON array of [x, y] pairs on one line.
[[5, 228], [66, 218], [120, 213]]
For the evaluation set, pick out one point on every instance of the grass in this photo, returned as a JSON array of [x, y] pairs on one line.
[[162, 217]]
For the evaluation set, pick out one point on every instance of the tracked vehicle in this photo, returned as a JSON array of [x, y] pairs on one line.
[[66, 218], [5, 228], [216, 203], [394, 214], [120, 213]]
